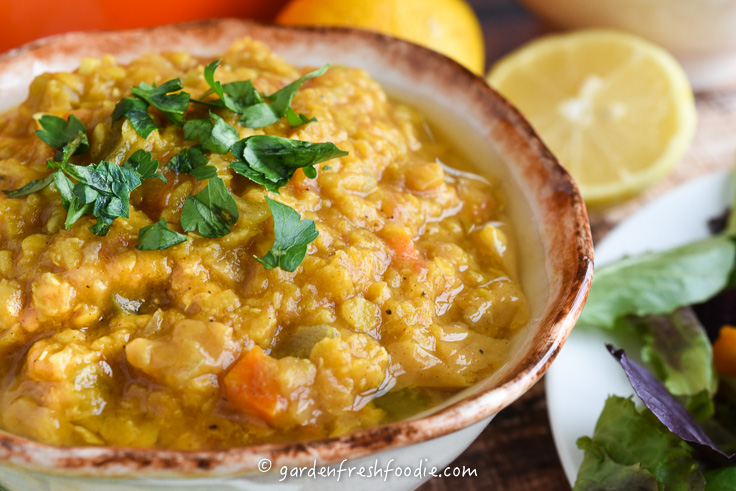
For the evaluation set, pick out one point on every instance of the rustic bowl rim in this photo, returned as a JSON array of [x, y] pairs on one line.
[[130, 461]]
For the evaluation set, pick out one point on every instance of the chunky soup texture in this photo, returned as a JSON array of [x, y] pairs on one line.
[[409, 294]]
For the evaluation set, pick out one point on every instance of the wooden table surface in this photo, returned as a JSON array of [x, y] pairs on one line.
[[516, 452]]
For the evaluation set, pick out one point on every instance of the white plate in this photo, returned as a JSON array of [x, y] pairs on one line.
[[584, 374]]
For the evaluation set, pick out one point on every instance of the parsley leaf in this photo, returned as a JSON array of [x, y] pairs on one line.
[[65, 188], [292, 236], [271, 160], [143, 164], [283, 97], [242, 98], [243, 94], [31, 187], [258, 116], [235, 96], [58, 133], [211, 211], [216, 137], [263, 114], [68, 148], [172, 106], [103, 189], [192, 161], [295, 119], [158, 236], [136, 110]]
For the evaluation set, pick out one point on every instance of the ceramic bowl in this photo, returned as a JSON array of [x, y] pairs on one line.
[[700, 33], [544, 204]]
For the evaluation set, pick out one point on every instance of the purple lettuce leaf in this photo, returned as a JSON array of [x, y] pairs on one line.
[[669, 411]]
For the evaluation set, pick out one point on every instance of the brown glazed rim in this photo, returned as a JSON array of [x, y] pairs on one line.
[[564, 224]]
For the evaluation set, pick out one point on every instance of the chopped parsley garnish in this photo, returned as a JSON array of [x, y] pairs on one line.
[[136, 110], [235, 96], [31, 187], [242, 98], [216, 137], [192, 161], [143, 164], [271, 160], [264, 114], [58, 134], [69, 137], [292, 237], [211, 211], [171, 105], [102, 190], [158, 236]]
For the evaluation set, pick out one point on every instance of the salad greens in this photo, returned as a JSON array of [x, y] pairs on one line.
[[668, 410], [633, 450], [658, 283], [669, 444], [677, 348]]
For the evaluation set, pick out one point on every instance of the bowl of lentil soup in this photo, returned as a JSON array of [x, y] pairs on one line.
[[406, 269]]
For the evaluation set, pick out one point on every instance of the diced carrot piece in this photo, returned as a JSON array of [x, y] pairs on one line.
[[252, 385], [401, 244], [724, 351]]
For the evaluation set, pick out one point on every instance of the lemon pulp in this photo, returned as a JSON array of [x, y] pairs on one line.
[[616, 110]]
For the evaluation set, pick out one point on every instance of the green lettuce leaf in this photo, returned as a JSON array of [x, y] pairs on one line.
[[634, 450], [723, 479], [659, 283], [679, 352]]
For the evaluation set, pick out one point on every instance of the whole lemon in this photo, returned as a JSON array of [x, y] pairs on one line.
[[447, 26]]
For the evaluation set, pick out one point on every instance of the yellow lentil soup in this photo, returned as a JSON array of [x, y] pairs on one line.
[[408, 295]]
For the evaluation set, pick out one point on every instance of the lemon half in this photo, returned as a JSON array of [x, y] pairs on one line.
[[615, 109], [447, 26]]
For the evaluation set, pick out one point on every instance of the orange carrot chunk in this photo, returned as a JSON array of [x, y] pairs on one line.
[[724, 351], [252, 385], [400, 243]]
